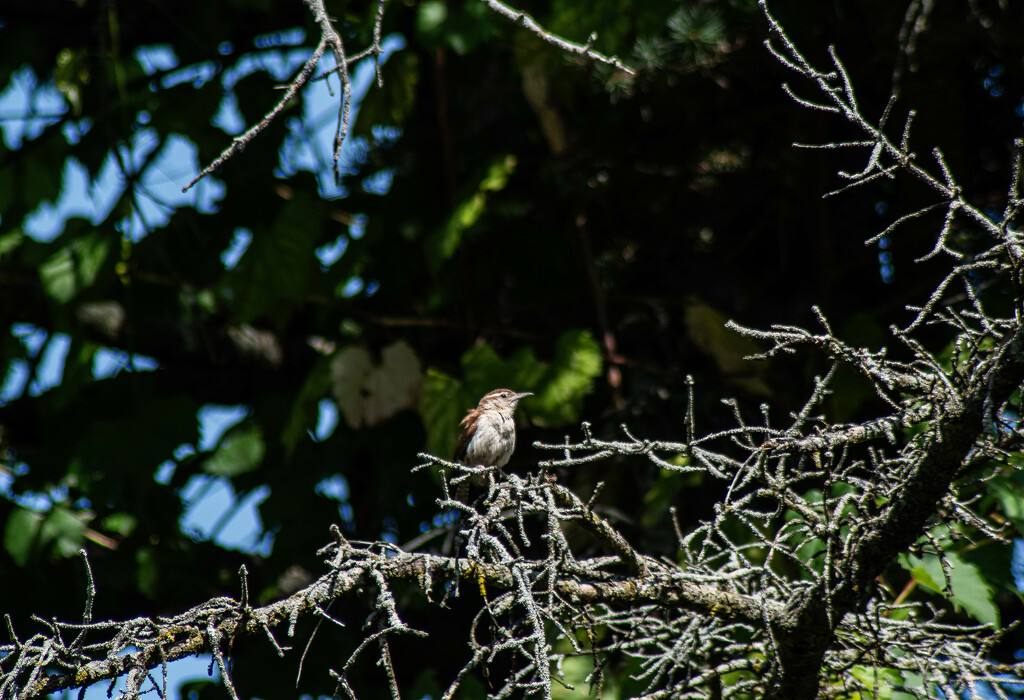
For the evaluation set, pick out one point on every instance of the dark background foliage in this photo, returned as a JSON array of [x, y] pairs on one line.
[[550, 225]]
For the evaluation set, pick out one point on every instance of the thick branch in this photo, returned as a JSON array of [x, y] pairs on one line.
[[599, 528], [840, 436], [807, 633], [160, 641]]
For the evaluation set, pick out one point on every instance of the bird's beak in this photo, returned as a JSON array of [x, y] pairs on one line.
[[522, 394]]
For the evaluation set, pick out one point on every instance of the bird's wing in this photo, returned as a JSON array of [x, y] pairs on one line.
[[463, 444]]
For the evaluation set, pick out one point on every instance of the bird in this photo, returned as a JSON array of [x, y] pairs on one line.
[[488, 435]]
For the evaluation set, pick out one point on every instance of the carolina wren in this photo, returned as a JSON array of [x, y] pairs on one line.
[[489, 432]]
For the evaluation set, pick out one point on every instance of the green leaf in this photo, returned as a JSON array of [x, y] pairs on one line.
[[41, 179], [443, 243], [972, 592], [9, 242], [392, 102], [559, 386], [75, 266], [426, 685], [442, 405], [429, 19], [72, 75], [910, 680], [705, 326], [7, 191], [995, 564], [810, 552], [482, 367], [273, 274], [661, 496], [29, 533], [522, 369], [880, 680], [576, 687], [568, 379], [921, 575], [460, 27], [77, 373], [239, 451], [20, 534], [64, 529], [147, 571], [306, 408], [968, 588], [1010, 495], [142, 437], [122, 524], [483, 370], [469, 26]]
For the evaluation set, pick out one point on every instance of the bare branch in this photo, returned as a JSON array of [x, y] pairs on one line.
[[585, 50]]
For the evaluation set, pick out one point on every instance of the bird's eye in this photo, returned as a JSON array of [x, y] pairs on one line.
[[505, 394]]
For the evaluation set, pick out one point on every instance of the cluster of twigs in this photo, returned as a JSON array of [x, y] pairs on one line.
[[331, 40], [714, 622]]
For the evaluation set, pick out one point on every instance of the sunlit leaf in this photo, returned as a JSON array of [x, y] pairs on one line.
[[369, 393], [559, 386], [442, 406], [9, 241], [568, 379], [968, 588], [20, 534], [122, 524], [29, 533], [921, 575], [75, 266], [240, 450], [706, 328], [879, 679], [442, 244]]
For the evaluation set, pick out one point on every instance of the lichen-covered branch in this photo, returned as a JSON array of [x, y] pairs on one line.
[[526, 21], [329, 39]]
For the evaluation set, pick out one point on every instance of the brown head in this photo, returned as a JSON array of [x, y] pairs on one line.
[[501, 400]]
